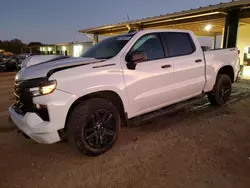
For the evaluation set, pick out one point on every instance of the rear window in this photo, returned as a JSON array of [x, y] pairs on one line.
[[178, 44]]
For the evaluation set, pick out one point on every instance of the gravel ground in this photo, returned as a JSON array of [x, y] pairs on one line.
[[198, 146]]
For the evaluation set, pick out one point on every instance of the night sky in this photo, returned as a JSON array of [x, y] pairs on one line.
[[56, 21]]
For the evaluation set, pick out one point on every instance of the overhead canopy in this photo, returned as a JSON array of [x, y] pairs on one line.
[[194, 19]]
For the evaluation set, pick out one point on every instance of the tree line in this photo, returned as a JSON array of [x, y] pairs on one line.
[[16, 46]]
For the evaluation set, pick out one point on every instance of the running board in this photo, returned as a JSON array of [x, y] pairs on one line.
[[167, 110]]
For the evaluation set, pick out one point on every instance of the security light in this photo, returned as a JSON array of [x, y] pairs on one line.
[[208, 27]]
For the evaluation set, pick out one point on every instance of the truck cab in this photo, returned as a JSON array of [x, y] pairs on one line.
[[119, 78]]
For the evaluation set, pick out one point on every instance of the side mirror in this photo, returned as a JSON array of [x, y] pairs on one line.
[[136, 57]]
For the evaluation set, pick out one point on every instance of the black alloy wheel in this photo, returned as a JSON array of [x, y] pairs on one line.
[[100, 129], [225, 90], [93, 126], [222, 90]]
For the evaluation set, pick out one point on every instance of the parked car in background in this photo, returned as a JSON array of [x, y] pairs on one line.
[[2, 67], [9, 65], [88, 98], [22, 57], [4, 58]]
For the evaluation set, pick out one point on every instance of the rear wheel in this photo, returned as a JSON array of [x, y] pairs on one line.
[[94, 126], [222, 90]]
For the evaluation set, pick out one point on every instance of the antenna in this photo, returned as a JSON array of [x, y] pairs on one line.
[[128, 18], [128, 26]]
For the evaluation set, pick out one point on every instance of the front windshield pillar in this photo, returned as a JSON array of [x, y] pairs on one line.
[[96, 39]]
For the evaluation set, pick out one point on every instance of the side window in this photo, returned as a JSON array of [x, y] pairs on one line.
[[151, 45], [178, 44]]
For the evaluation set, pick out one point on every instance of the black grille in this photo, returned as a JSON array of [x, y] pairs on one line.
[[24, 99]]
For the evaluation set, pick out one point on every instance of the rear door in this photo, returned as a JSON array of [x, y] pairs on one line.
[[188, 64]]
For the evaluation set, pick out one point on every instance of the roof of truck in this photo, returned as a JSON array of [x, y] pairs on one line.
[[159, 30]]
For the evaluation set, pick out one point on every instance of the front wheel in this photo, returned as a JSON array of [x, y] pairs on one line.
[[93, 126], [222, 90]]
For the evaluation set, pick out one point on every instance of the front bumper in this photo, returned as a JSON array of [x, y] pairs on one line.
[[58, 104], [34, 127]]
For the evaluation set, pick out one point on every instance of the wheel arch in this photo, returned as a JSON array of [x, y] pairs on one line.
[[227, 70], [110, 95]]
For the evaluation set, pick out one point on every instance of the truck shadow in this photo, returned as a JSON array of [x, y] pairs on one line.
[[194, 112]]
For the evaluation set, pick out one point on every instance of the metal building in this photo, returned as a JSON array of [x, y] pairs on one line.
[[230, 20]]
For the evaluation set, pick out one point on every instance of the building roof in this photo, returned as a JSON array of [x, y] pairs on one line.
[[210, 12]]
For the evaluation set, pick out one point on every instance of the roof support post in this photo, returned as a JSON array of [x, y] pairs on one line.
[[56, 50], [215, 41], [231, 29], [95, 39], [222, 37]]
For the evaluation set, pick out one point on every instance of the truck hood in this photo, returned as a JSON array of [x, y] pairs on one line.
[[40, 65]]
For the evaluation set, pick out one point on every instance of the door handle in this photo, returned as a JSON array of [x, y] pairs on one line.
[[198, 60], [165, 66]]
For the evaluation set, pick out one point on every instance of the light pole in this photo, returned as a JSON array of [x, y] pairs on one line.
[[74, 37]]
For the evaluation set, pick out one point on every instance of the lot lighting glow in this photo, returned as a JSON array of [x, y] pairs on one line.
[[77, 50], [16, 77], [246, 50], [246, 72], [64, 48], [208, 27]]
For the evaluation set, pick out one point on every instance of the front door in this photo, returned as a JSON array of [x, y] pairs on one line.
[[151, 85]]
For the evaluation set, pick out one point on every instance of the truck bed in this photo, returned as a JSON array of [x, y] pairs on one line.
[[218, 58]]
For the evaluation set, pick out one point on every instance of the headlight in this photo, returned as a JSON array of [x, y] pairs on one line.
[[45, 89]]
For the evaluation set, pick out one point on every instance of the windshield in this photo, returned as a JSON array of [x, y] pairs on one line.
[[109, 47]]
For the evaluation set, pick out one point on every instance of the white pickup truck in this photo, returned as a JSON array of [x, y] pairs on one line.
[[119, 78]]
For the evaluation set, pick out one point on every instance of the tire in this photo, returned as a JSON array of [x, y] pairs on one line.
[[222, 90], [93, 126], [2, 69]]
